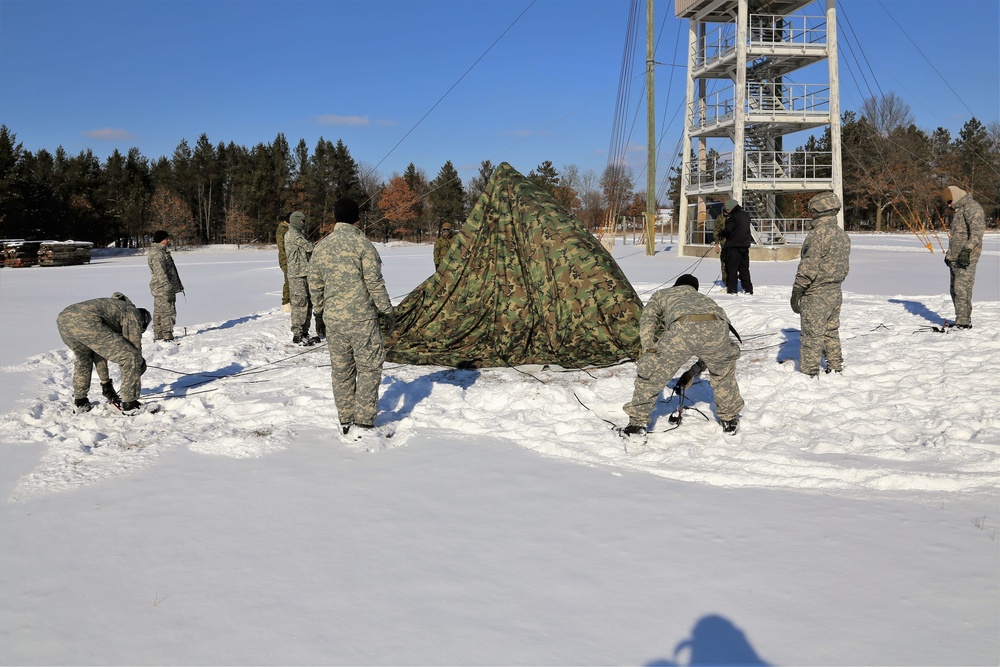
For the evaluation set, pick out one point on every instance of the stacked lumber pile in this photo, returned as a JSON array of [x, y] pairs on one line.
[[64, 253], [18, 253]]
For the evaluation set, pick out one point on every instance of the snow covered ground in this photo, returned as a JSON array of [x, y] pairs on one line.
[[853, 520]]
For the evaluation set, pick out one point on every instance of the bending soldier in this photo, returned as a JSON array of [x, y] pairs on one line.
[[816, 292], [679, 323], [102, 330]]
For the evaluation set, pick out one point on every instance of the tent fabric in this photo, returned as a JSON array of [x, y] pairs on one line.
[[523, 283]]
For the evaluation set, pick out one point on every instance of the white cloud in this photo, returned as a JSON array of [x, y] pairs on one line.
[[109, 134], [330, 119]]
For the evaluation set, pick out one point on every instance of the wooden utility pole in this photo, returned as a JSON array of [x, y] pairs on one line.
[[651, 137]]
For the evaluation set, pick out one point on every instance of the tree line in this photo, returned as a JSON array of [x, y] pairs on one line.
[[224, 193]]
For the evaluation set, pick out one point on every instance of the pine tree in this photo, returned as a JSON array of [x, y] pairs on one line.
[[447, 196]]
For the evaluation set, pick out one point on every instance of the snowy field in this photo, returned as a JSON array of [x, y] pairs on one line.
[[853, 520]]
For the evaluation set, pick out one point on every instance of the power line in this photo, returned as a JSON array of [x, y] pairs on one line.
[[454, 85], [924, 56]]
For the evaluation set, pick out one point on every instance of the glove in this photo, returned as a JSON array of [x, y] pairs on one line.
[[964, 258], [387, 321], [320, 327], [142, 366], [947, 261], [796, 301], [108, 390], [688, 377]]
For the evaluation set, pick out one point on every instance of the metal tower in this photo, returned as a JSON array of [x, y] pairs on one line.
[[742, 100]]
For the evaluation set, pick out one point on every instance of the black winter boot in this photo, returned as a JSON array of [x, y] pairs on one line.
[[108, 392], [731, 426], [82, 405]]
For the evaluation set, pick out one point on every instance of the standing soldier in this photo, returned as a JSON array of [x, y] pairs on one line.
[[279, 238], [720, 245], [442, 245], [816, 292], [965, 245], [165, 285], [679, 323], [100, 330], [738, 236], [345, 279], [297, 250]]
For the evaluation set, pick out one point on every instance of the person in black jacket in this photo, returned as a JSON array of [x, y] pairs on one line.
[[736, 252]]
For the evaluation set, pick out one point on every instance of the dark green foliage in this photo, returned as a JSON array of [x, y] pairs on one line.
[[447, 196]]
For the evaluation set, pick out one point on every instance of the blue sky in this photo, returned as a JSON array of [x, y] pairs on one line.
[[425, 81]]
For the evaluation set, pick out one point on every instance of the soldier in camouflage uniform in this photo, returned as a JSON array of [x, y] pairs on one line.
[[279, 238], [297, 251], [164, 284], [965, 245], [679, 323], [720, 244], [105, 329], [348, 292], [816, 292], [443, 244]]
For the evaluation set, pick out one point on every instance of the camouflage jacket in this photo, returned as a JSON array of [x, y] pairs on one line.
[[164, 280], [297, 251], [826, 253], [279, 238], [720, 224], [966, 229], [441, 247], [345, 277], [666, 305], [116, 313]]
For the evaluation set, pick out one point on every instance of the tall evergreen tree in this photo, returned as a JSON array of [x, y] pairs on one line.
[[14, 221], [423, 221], [546, 177], [447, 196], [477, 184]]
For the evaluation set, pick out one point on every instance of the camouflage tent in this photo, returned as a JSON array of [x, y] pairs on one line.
[[523, 283]]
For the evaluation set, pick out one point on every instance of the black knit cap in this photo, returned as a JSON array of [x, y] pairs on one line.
[[687, 279], [159, 235], [346, 210]]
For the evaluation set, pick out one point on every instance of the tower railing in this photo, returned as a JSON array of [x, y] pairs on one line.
[[714, 172], [785, 167], [766, 30], [777, 100], [770, 29]]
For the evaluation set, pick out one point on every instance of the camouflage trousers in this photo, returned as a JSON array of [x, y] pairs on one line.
[[820, 330], [722, 260], [356, 357], [285, 296], [94, 344], [164, 316], [298, 290], [962, 281], [708, 341]]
